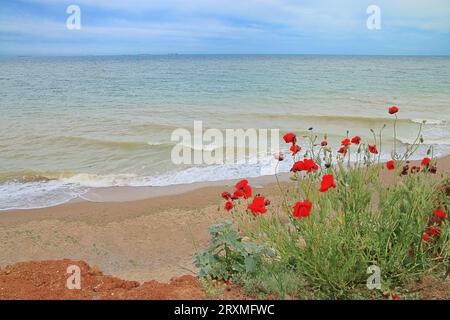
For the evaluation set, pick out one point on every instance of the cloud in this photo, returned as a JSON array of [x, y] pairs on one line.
[[219, 23]]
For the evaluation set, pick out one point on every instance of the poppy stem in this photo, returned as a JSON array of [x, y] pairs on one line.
[[394, 156], [279, 186]]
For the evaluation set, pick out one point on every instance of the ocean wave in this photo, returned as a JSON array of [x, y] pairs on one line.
[[29, 176], [93, 142], [430, 121], [32, 189], [311, 119], [33, 195]]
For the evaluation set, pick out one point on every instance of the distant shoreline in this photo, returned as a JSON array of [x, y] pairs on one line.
[[226, 54]]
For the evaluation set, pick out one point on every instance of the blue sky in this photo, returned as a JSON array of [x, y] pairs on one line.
[[38, 27]]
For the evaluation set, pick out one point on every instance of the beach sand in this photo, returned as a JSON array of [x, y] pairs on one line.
[[137, 234]]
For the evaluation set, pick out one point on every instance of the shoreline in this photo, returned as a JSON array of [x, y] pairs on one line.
[[119, 194], [137, 193], [141, 239]]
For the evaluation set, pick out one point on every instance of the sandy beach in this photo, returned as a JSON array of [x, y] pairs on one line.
[[146, 237]]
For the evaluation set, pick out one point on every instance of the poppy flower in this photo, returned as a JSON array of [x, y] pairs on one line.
[[305, 165], [393, 110], [356, 140], [228, 205], [426, 237], [244, 188], [247, 192], [241, 184], [434, 231], [345, 142], [267, 202], [415, 169], [302, 209], [258, 206], [405, 170], [373, 149], [433, 169], [226, 195], [390, 165], [327, 183], [324, 143], [279, 157], [295, 149], [425, 161], [290, 137], [441, 214], [395, 296], [343, 151], [310, 165], [237, 194]]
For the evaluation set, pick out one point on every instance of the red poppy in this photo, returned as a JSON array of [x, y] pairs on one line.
[[267, 202], [241, 184], [405, 169], [247, 192], [345, 142], [302, 209], [343, 150], [356, 140], [441, 214], [426, 237], [290, 137], [390, 165], [393, 109], [415, 169], [425, 161], [435, 231], [433, 169], [310, 165], [228, 205], [324, 143], [305, 165], [373, 149], [295, 149], [226, 195], [237, 194], [327, 183], [395, 296], [279, 157], [258, 205], [244, 188]]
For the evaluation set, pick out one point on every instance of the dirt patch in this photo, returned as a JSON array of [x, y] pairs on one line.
[[47, 280], [430, 288]]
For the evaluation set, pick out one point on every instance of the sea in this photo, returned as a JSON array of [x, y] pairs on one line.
[[70, 124]]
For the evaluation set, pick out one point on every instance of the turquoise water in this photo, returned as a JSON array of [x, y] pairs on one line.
[[69, 124]]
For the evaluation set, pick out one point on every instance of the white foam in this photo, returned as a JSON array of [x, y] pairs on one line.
[[37, 194], [54, 192]]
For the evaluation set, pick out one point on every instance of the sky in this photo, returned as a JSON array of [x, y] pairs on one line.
[[112, 27]]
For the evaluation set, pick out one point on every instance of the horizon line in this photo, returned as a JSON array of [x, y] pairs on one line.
[[219, 54]]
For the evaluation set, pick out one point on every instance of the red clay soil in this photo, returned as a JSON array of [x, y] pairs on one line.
[[47, 280]]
